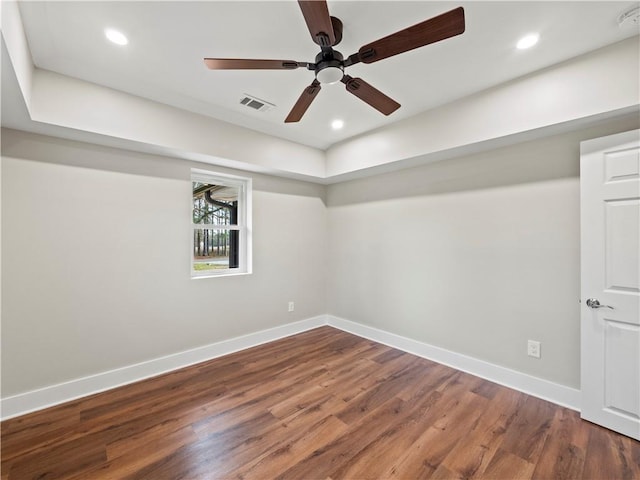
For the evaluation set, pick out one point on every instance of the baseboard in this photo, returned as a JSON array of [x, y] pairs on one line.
[[538, 387], [56, 394]]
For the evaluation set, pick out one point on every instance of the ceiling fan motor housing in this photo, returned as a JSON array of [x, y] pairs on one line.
[[329, 66]]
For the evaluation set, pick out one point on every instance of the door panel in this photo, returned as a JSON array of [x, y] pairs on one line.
[[622, 380], [621, 166], [622, 223], [610, 263]]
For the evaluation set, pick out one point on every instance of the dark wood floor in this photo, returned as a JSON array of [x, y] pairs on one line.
[[322, 404]]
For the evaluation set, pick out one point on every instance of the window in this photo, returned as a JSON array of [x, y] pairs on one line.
[[221, 224]]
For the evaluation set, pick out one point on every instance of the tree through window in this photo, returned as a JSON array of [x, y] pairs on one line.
[[219, 224]]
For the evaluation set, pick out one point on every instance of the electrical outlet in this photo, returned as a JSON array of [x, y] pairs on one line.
[[533, 349], [292, 306]]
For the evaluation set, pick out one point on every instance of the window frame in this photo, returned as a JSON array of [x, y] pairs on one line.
[[243, 225]]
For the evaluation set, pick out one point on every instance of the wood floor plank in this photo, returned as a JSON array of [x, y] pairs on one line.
[[443, 427], [529, 429], [606, 451], [443, 473], [433, 377], [297, 444], [37, 429], [328, 458], [353, 379], [323, 404], [475, 450], [61, 461], [443, 435], [564, 452], [508, 465], [371, 461], [414, 464], [143, 452], [385, 389]]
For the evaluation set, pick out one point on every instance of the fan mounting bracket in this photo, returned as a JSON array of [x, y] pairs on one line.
[[336, 23]]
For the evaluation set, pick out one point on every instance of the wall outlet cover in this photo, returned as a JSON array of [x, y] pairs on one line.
[[533, 348]]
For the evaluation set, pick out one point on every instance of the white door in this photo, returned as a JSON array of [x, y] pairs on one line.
[[610, 260]]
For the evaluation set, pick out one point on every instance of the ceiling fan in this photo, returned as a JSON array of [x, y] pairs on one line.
[[329, 64]]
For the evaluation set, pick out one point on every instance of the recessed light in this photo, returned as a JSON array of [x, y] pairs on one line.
[[528, 41], [337, 124], [116, 37]]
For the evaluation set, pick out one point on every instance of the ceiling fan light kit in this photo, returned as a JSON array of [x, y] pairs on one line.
[[329, 64], [330, 75], [329, 67]]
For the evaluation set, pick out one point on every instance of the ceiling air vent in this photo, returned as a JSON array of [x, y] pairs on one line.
[[255, 103]]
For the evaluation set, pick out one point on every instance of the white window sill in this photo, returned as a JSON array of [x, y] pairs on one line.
[[219, 275]]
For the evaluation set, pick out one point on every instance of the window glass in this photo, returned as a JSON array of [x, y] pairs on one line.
[[221, 224]]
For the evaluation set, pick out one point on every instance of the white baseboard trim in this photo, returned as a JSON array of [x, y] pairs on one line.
[[63, 392], [56, 394], [537, 387]]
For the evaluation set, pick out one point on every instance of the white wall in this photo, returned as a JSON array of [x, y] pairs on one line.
[[95, 261], [475, 254]]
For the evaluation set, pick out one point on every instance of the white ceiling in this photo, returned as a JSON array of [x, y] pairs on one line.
[[168, 40]]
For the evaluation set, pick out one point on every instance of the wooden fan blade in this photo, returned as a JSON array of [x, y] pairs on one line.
[[316, 14], [433, 30], [243, 64], [370, 95], [303, 102]]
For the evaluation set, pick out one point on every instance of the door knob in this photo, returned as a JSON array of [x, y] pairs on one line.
[[594, 303]]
